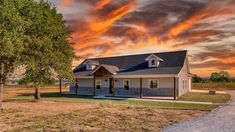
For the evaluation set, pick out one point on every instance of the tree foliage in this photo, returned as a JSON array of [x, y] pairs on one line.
[[48, 49], [222, 76], [197, 79], [12, 37], [33, 34]]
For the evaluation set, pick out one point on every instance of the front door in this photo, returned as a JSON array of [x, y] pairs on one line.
[[110, 85]]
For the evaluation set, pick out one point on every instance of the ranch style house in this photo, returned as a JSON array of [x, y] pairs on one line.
[[164, 74]]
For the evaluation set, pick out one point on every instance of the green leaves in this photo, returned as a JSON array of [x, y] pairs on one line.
[[33, 34], [12, 36], [222, 76], [48, 49]]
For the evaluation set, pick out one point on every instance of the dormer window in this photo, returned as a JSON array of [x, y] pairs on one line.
[[91, 64], [153, 60]]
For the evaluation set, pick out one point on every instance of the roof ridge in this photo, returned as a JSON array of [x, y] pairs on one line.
[[136, 54]]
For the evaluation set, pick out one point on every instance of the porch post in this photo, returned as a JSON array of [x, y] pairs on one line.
[[76, 86], [113, 90], [174, 88], [141, 88], [94, 86]]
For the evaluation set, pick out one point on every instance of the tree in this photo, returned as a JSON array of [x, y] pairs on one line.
[[197, 79], [222, 76], [215, 77], [48, 49], [12, 38]]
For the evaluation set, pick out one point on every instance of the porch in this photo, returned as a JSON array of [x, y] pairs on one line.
[[107, 83]]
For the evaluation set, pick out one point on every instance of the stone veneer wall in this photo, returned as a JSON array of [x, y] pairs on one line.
[[131, 92], [82, 90]]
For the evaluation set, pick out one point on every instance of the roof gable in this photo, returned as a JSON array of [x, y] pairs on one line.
[[153, 56], [111, 69]]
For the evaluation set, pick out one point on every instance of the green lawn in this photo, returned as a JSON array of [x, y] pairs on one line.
[[134, 103], [205, 97]]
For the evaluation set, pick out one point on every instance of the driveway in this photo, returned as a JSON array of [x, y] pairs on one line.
[[221, 119]]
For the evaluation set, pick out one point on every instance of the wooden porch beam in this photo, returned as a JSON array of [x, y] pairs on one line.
[[174, 88], [76, 86], [113, 89], [94, 85], [141, 87]]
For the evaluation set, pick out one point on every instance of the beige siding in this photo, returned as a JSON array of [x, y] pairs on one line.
[[183, 75], [134, 83], [85, 82], [89, 82]]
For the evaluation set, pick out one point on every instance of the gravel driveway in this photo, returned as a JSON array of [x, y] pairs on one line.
[[221, 119]]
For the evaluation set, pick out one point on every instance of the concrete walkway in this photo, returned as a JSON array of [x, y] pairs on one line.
[[221, 119], [156, 99]]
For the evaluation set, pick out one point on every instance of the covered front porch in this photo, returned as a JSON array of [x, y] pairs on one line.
[[106, 83]]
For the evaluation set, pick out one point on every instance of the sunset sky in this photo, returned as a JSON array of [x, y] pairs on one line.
[[206, 28]]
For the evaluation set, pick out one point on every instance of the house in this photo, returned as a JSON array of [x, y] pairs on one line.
[[144, 75]]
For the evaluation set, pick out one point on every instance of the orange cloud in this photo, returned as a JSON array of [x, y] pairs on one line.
[[104, 25], [65, 3], [106, 32], [228, 60], [101, 4], [183, 26], [87, 39]]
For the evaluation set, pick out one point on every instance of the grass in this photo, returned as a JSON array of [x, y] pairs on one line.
[[101, 118], [132, 103], [215, 86], [205, 97], [64, 112]]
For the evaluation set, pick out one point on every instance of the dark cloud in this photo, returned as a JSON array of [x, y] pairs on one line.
[[206, 25]]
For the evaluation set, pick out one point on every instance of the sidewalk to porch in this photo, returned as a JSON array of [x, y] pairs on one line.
[[157, 99]]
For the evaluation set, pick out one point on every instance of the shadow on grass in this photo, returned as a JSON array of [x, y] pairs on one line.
[[75, 97], [58, 95], [89, 99]]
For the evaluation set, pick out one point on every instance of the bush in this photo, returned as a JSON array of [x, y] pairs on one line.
[[197, 79]]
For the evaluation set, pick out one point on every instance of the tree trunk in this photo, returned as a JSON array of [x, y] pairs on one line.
[[60, 85], [37, 91], [2, 84]]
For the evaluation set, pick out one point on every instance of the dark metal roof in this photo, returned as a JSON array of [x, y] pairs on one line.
[[136, 64], [95, 62]]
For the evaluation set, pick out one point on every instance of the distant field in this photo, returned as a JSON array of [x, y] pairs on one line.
[[214, 86]]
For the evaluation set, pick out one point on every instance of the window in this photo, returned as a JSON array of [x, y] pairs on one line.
[[88, 66], [184, 84], [153, 84], [153, 62], [98, 84], [126, 84]]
